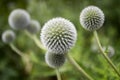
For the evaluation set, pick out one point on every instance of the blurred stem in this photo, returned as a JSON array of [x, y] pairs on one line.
[[74, 63], [35, 39], [16, 50], [25, 58], [23, 55], [104, 54], [58, 74], [27, 62]]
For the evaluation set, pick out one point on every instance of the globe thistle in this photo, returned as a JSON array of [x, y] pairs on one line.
[[19, 19], [8, 36], [33, 27], [109, 50], [91, 18], [58, 35], [54, 60]]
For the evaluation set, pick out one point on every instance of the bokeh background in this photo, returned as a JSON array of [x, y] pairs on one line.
[[85, 52]]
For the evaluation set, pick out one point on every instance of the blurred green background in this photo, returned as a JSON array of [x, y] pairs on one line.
[[84, 52]]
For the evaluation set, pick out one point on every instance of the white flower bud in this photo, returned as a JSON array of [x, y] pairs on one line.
[[109, 50], [8, 36], [54, 60], [33, 27], [19, 19]]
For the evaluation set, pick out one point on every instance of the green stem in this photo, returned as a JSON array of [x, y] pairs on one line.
[[58, 74], [37, 42], [25, 58], [16, 50], [74, 63], [104, 54], [35, 39], [20, 53]]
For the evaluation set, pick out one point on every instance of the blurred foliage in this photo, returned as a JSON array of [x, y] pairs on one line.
[[11, 64]]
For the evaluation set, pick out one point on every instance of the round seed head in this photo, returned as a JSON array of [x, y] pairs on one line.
[[33, 27], [54, 60], [8, 36], [19, 19], [58, 35], [91, 18]]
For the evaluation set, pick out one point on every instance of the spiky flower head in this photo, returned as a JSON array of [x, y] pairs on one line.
[[91, 18], [33, 27], [19, 19], [8, 36], [54, 60], [58, 35]]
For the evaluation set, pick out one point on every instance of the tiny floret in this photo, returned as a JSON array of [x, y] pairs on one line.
[[19, 19], [58, 35], [54, 60], [91, 18], [8, 36], [33, 27]]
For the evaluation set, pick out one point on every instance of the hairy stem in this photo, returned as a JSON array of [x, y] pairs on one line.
[[75, 64], [104, 54], [58, 74]]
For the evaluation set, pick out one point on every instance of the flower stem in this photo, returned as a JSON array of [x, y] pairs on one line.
[[104, 54], [25, 58], [75, 64], [58, 74], [35, 39], [16, 50]]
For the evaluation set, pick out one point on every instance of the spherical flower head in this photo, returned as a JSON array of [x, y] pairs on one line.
[[58, 35], [8, 36], [33, 27], [91, 18], [54, 60], [109, 50], [19, 19]]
